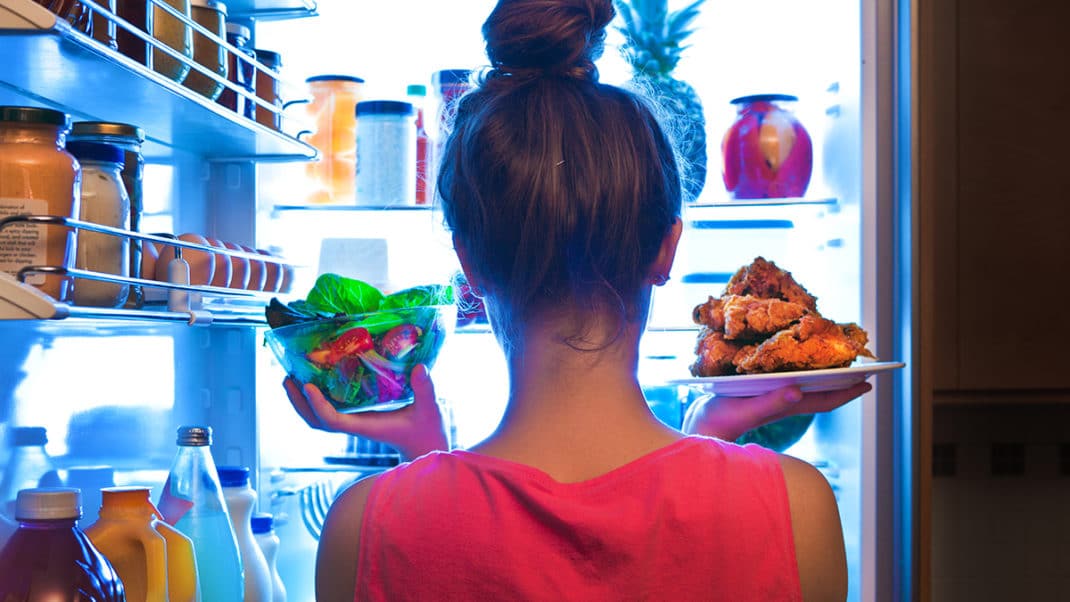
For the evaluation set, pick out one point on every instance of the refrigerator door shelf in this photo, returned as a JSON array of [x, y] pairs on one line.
[[66, 70], [271, 10]]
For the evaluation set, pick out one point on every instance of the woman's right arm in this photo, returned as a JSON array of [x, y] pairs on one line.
[[815, 525]]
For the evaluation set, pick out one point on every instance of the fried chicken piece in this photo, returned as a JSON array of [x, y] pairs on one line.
[[812, 344], [762, 278], [749, 318], [710, 314], [714, 355]]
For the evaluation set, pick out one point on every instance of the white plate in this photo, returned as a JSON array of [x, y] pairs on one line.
[[810, 381]]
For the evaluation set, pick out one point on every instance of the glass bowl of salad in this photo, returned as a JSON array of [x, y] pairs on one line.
[[361, 361]]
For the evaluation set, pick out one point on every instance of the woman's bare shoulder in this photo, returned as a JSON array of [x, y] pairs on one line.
[[337, 557], [815, 525]]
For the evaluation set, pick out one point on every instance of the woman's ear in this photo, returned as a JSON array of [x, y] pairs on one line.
[[662, 266], [469, 274]]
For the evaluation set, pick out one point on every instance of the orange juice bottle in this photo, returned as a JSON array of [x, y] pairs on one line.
[[154, 561]]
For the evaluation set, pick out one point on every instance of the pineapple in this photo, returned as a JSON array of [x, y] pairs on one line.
[[653, 45]]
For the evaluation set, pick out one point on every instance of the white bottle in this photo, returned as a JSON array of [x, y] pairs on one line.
[[241, 499], [264, 531]]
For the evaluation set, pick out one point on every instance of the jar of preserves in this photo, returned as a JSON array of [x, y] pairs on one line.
[[332, 110], [37, 177], [166, 28], [129, 138], [104, 202], [267, 88], [386, 153], [211, 15], [240, 72]]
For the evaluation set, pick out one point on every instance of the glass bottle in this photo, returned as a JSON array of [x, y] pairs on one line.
[[29, 466], [49, 557], [241, 501], [38, 177], [104, 202], [267, 88], [264, 531], [417, 94], [211, 15], [240, 72], [192, 502], [129, 138]]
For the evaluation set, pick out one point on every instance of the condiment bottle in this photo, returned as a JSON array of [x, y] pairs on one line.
[[417, 93], [240, 72], [129, 138], [267, 88], [192, 502], [49, 554], [28, 466], [125, 535], [104, 202], [386, 153], [332, 110], [264, 532], [211, 15], [37, 176], [241, 499]]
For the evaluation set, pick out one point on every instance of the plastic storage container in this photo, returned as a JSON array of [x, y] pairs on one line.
[[49, 558], [37, 176], [104, 202], [264, 531], [386, 153], [192, 502], [129, 138], [28, 467], [211, 15], [241, 501]]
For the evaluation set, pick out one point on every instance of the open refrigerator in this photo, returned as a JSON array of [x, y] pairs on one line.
[[111, 386]]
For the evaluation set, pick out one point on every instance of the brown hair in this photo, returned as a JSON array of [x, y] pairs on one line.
[[560, 188]]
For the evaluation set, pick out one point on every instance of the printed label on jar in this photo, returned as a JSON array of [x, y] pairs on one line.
[[23, 244]]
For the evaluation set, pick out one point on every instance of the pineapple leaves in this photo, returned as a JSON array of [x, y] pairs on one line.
[[681, 20]]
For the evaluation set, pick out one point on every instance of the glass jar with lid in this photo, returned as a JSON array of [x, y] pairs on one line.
[[104, 202], [267, 88], [129, 138], [332, 113], [166, 28], [240, 72], [37, 177], [386, 153], [211, 15]]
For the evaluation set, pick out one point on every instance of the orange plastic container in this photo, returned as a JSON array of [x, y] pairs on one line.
[[154, 561], [332, 111]]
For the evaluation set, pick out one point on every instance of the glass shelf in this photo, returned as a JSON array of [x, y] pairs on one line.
[[57, 67], [271, 10]]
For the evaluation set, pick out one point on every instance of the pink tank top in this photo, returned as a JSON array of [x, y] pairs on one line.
[[700, 519]]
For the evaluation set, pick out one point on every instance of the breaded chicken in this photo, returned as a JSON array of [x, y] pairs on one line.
[[764, 279], [746, 317], [812, 344], [714, 355]]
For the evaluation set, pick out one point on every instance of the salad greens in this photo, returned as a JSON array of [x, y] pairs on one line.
[[335, 295]]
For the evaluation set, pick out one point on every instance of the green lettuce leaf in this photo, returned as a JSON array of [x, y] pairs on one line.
[[419, 296], [340, 295]]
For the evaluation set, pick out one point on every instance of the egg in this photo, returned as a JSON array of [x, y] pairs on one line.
[[287, 278], [201, 263], [224, 270], [257, 271], [149, 256], [239, 275], [274, 273]]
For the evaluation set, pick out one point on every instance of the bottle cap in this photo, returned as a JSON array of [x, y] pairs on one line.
[[335, 78], [233, 476], [215, 5], [105, 128], [48, 503], [416, 90], [25, 436], [95, 151], [385, 107], [35, 115], [239, 30], [194, 436], [262, 522]]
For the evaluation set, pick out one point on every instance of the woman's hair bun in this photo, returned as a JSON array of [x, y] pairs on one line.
[[528, 38]]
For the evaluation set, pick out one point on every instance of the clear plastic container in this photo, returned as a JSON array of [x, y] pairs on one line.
[[104, 202], [192, 502], [241, 502], [37, 176], [52, 559], [386, 153], [28, 466]]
